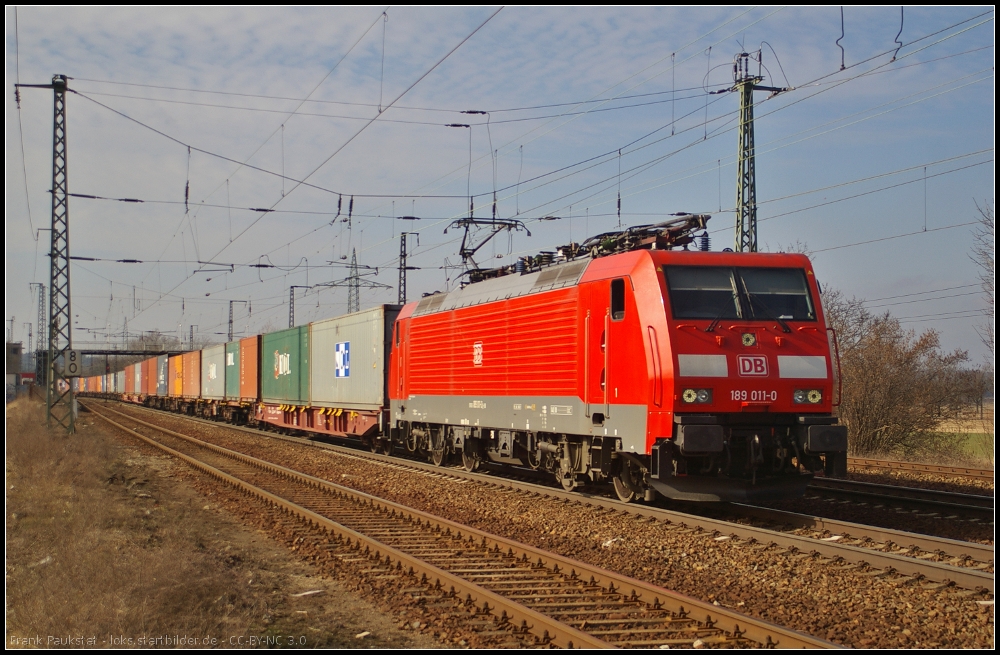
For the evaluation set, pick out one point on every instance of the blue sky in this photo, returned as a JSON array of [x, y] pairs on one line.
[[878, 150]]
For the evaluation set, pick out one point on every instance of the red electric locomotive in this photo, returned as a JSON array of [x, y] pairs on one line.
[[696, 375]]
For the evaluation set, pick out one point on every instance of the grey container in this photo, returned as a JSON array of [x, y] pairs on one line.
[[213, 372], [350, 359], [120, 382]]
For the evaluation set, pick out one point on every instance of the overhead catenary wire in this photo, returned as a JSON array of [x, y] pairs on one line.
[[348, 141], [838, 83], [358, 215]]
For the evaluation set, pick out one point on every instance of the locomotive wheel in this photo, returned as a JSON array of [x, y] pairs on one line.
[[624, 494], [470, 462], [628, 480], [568, 481], [437, 448]]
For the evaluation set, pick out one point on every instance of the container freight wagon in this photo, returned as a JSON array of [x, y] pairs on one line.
[[213, 379], [233, 407], [250, 376], [191, 378], [129, 389], [345, 389], [149, 378], [162, 373], [175, 376], [283, 370]]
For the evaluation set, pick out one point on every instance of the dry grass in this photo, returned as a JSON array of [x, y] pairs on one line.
[[90, 554]]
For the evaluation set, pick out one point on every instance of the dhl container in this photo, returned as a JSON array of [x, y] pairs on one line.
[[284, 366]]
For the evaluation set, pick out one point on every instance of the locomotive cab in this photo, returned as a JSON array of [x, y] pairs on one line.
[[753, 383]]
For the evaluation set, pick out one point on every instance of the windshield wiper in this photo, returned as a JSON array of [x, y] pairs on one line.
[[767, 310], [715, 321]]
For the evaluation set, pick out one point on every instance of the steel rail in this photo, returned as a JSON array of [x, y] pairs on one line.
[[950, 471], [967, 578], [981, 506], [739, 626], [952, 547]]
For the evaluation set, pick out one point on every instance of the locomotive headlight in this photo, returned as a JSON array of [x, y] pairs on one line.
[[697, 395], [803, 396]]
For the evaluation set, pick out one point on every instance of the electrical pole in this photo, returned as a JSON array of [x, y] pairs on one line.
[[40, 323], [402, 264], [746, 178], [60, 403], [354, 285], [291, 302], [231, 316], [191, 336], [40, 329]]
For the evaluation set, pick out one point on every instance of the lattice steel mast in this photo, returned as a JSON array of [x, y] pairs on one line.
[[402, 264], [746, 177], [40, 334], [354, 285], [59, 389]]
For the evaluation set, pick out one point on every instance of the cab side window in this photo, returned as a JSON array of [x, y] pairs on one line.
[[618, 299]]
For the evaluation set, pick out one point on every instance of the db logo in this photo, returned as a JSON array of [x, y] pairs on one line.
[[752, 365]]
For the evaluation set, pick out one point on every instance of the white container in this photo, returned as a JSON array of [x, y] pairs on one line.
[[350, 359]]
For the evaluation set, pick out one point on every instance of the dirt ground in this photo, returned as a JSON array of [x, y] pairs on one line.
[[108, 547]]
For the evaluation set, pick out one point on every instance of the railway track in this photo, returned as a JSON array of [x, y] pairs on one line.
[[949, 471], [937, 560], [537, 597], [980, 508]]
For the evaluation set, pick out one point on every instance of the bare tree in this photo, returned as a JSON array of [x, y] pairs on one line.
[[984, 255], [898, 386]]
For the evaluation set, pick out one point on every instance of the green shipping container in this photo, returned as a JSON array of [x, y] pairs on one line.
[[284, 366], [233, 370]]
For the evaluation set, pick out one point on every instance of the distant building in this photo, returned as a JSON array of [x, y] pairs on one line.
[[14, 351]]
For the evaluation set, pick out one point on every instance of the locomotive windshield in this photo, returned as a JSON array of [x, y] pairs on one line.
[[722, 292]]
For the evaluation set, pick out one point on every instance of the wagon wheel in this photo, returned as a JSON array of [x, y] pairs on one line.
[[470, 461], [568, 481], [373, 444]]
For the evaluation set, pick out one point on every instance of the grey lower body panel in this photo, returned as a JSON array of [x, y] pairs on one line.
[[555, 414]]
